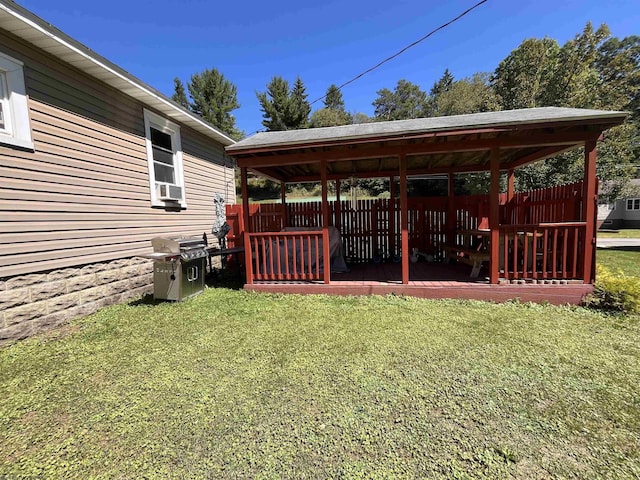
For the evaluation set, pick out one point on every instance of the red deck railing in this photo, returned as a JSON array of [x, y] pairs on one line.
[[286, 256], [542, 251], [541, 229]]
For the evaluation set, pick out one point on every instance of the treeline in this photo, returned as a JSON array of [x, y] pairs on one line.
[[593, 70]]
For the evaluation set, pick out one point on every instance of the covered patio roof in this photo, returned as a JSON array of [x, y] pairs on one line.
[[454, 144]]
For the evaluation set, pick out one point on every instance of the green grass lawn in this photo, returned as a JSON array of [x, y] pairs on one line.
[[625, 259], [232, 384], [624, 233]]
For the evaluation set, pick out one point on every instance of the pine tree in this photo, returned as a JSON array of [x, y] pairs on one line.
[[333, 98], [213, 97], [284, 108], [180, 96]]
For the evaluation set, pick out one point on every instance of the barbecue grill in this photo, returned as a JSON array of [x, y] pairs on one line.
[[179, 267]]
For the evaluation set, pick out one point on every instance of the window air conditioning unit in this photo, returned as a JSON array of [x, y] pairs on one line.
[[169, 193]]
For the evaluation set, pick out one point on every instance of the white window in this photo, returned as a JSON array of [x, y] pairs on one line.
[[633, 203], [164, 156], [15, 129]]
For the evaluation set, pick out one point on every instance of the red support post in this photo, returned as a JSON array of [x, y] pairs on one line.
[[392, 216], [404, 219], [338, 212], [283, 201], [246, 221], [511, 193], [326, 260], [494, 221], [589, 200], [451, 212], [511, 185]]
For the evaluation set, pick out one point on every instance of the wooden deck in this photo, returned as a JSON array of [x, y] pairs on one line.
[[429, 280]]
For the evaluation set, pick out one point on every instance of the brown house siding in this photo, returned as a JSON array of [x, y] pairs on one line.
[[81, 200]]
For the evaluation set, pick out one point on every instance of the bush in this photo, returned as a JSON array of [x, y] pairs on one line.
[[615, 291]]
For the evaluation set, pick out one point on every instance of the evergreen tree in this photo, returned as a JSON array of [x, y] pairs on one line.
[[213, 97], [284, 108], [441, 86], [333, 113], [180, 96], [299, 106], [333, 99]]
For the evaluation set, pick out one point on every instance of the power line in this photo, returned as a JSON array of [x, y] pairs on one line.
[[400, 52], [444, 25]]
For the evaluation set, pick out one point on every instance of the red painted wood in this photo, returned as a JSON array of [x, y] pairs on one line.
[[554, 294], [494, 214], [313, 155], [404, 219], [589, 201], [392, 215], [326, 262], [451, 211], [283, 203], [337, 208], [246, 229], [366, 229]]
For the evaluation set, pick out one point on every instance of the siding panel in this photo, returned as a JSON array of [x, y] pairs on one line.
[[83, 195]]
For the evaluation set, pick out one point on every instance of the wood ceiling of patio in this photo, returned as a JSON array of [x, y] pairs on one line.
[[454, 149]]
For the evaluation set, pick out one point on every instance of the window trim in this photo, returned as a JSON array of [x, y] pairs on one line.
[[173, 130], [631, 202], [16, 104]]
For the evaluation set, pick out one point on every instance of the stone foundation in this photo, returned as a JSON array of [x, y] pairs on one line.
[[34, 303]]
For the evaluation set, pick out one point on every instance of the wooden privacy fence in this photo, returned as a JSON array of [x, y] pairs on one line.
[[543, 227]]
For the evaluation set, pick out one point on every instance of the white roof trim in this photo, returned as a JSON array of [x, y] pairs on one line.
[[41, 34]]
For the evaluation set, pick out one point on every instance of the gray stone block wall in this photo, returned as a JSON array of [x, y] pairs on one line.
[[34, 303]]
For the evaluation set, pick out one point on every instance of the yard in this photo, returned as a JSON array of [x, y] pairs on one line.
[[232, 384]]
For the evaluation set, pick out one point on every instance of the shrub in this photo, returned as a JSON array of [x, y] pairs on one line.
[[615, 291]]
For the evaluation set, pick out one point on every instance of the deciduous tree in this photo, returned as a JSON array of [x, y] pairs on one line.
[[522, 79], [469, 95], [406, 101]]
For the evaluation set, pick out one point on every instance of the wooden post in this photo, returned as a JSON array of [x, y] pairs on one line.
[[248, 262], [283, 201], [494, 210], [589, 199], [404, 219], [338, 211], [451, 212], [511, 185], [392, 217], [326, 260], [511, 193]]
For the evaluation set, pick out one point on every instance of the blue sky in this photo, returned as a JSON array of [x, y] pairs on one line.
[[325, 42]]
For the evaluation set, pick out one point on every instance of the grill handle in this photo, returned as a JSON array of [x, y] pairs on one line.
[[192, 274]]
